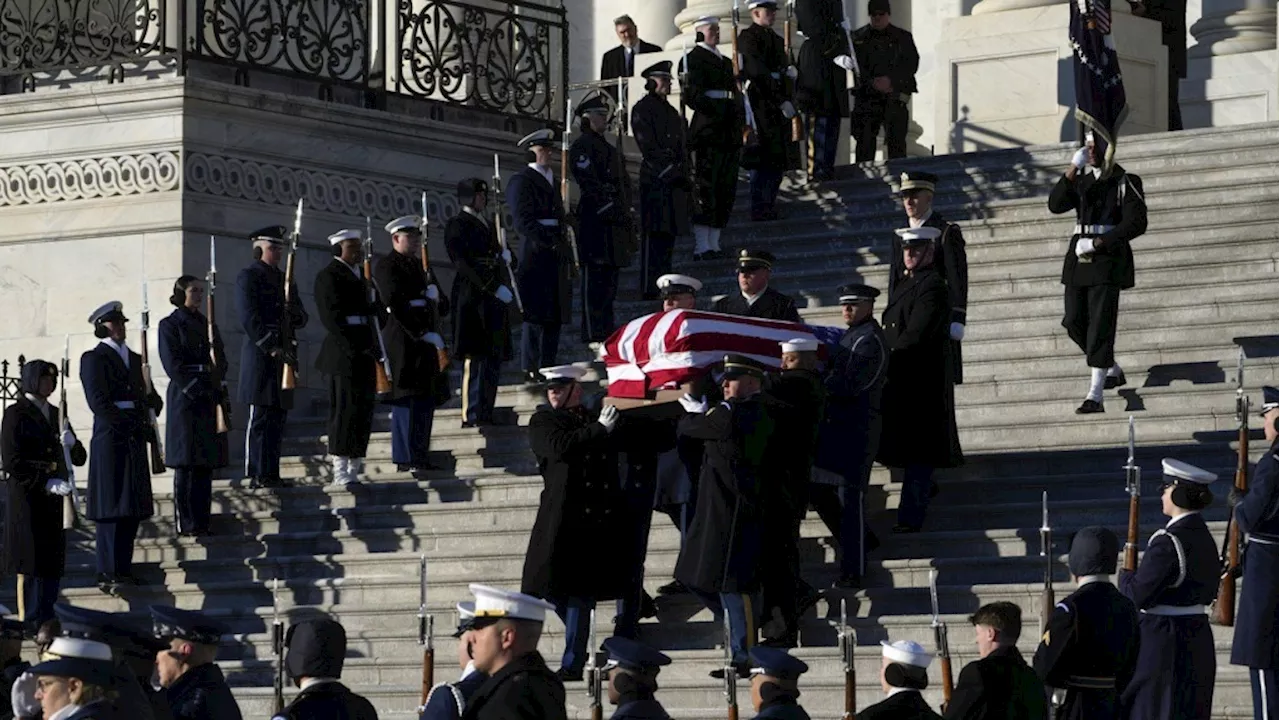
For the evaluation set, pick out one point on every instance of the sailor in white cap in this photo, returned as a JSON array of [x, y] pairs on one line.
[[919, 431], [1110, 213], [904, 674], [678, 292], [1175, 582], [661, 133], [545, 256], [349, 353], [507, 626], [715, 135], [604, 216]]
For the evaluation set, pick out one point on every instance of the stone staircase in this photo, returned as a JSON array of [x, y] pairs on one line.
[[1207, 283]]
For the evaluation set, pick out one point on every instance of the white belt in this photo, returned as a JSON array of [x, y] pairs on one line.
[[124, 404], [1261, 540], [718, 94], [1177, 610], [418, 303], [1093, 229], [775, 76], [549, 222], [357, 320]]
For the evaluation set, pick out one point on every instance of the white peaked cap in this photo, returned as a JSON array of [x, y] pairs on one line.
[[1184, 471], [907, 652], [341, 235], [407, 222], [494, 603], [70, 647], [799, 345], [563, 372], [670, 279], [466, 610], [706, 20], [921, 233]]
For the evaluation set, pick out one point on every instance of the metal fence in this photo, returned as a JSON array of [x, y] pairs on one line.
[[502, 56]]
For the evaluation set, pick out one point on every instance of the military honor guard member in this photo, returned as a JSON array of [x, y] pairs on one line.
[[774, 678], [821, 91], [621, 61], [766, 73], [412, 339], [545, 258], [904, 673], [260, 298], [447, 701], [633, 679], [32, 451], [850, 432], [1254, 644], [191, 426], [715, 134], [75, 688], [195, 686], [119, 468], [1111, 212], [481, 301], [602, 217], [754, 297], [662, 136], [315, 650], [919, 432], [12, 666], [82, 632], [999, 684], [889, 60], [917, 189], [505, 648], [1176, 579], [1089, 649]]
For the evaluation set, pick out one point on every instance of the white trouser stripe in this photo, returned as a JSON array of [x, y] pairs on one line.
[[248, 429]]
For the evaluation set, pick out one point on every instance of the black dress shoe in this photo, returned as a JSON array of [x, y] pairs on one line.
[[1115, 381], [567, 675], [1089, 407], [675, 587], [648, 608], [785, 641], [108, 584], [404, 468], [743, 670]]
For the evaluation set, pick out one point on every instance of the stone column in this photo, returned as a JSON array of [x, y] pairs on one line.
[[656, 20], [1232, 69]]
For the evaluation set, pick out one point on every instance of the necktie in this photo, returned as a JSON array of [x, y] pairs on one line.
[[627, 52]]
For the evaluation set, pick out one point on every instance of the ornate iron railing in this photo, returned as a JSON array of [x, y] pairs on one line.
[[502, 56]]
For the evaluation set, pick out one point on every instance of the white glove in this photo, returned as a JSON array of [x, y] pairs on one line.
[[788, 110], [792, 72], [844, 61], [68, 439], [503, 293], [433, 292], [57, 486], [957, 331], [690, 404], [608, 417], [434, 338], [506, 256], [844, 25], [1084, 246], [23, 696], [1081, 158]]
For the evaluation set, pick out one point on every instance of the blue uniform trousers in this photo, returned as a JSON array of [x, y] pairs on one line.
[[36, 598], [764, 186], [655, 260], [411, 421], [916, 480], [1266, 696], [575, 613], [825, 138], [480, 376], [843, 511], [192, 498], [262, 439], [743, 610], [113, 540], [539, 344], [599, 289]]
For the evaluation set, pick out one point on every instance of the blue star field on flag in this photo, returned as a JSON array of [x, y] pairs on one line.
[[1100, 101]]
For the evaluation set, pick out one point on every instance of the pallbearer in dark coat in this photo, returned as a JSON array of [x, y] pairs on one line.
[[633, 679], [754, 297], [119, 468], [919, 432], [316, 649], [774, 678], [949, 256], [715, 134], [766, 72], [904, 673], [196, 687], [482, 300], [545, 256], [662, 136], [1111, 212], [850, 431], [413, 340], [1089, 649], [260, 300], [999, 685], [31, 449], [602, 216], [1175, 582], [191, 426], [349, 353], [1254, 644]]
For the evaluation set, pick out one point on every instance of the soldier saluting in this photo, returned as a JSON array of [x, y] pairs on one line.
[[602, 215], [715, 134], [766, 71], [661, 133]]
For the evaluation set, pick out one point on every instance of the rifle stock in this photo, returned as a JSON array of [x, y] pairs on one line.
[[941, 643], [1133, 483], [594, 675], [1046, 551], [737, 75], [1224, 607], [154, 443], [730, 673], [71, 502], [222, 411], [382, 368], [502, 234], [797, 127], [277, 649], [566, 226], [848, 642], [426, 635]]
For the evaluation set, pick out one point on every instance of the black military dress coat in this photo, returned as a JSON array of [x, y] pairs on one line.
[[661, 134], [953, 264], [1092, 636], [524, 688], [191, 427], [120, 473], [328, 701], [415, 367], [602, 213], [260, 300], [31, 449], [771, 305], [350, 347], [545, 257], [481, 322], [764, 64], [715, 132], [202, 693], [904, 705], [639, 706], [1115, 201], [798, 399], [1254, 644], [1000, 686]]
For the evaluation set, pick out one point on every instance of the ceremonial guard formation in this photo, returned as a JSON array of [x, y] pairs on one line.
[[662, 136], [766, 75], [602, 215], [715, 134], [315, 653], [755, 298], [904, 673], [888, 59]]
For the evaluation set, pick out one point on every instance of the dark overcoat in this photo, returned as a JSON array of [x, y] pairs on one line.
[[602, 211], [782, 708], [722, 550], [771, 305], [260, 300], [481, 322], [191, 426], [662, 136], [820, 87], [918, 403], [1254, 644], [96, 710], [415, 366], [908, 705], [523, 688], [202, 693], [545, 257], [350, 346], [717, 121], [850, 432], [1000, 686], [120, 469], [636, 706], [890, 53], [1115, 201], [1172, 16], [328, 701], [31, 451], [764, 61], [953, 264], [797, 399]]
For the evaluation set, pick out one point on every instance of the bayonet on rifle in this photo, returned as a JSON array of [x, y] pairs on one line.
[[595, 675], [219, 374], [566, 227], [70, 502], [940, 641], [277, 647], [848, 642], [382, 369], [155, 442], [426, 631], [1133, 484], [730, 672], [288, 333], [1046, 552], [502, 233]]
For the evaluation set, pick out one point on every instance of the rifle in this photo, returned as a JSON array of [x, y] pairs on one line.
[[595, 675], [851, 77], [1046, 541], [569, 234], [632, 242], [797, 127], [223, 409], [277, 648], [730, 673], [154, 442], [940, 640], [382, 369], [1132, 483], [1224, 607], [691, 192], [426, 631], [442, 353], [70, 503], [502, 232], [847, 642], [749, 128], [289, 334]]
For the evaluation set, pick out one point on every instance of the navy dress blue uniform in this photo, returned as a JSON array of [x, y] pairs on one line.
[[715, 136], [602, 215], [778, 699], [201, 693], [769, 305], [889, 53], [191, 430], [316, 650], [448, 701], [133, 699], [1254, 644], [634, 673], [662, 136], [260, 300], [763, 71]]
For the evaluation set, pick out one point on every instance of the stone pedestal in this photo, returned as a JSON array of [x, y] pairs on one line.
[[1232, 69], [1004, 77]]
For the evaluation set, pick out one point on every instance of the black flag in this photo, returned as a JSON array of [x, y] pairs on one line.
[[1100, 103]]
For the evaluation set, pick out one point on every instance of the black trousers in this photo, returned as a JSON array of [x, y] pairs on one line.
[[1089, 316], [192, 498], [599, 289], [655, 261], [781, 585], [1175, 111], [539, 345], [868, 116], [351, 401], [715, 172]]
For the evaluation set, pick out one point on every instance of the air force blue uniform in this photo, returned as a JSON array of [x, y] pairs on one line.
[[538, 216], [1255, 644], [601, 216]]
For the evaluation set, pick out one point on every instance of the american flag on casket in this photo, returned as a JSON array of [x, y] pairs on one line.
[[667, 349]]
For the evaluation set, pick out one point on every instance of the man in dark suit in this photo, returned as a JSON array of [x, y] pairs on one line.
[[904, 673], [1172, 16], [755, 298], [621, 61], [888, 59], [1000, 685]]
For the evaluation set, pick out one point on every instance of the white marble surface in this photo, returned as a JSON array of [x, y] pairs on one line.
[[1230, 90]]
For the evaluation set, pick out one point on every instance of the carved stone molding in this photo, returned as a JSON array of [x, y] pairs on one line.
[[89, 178]]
